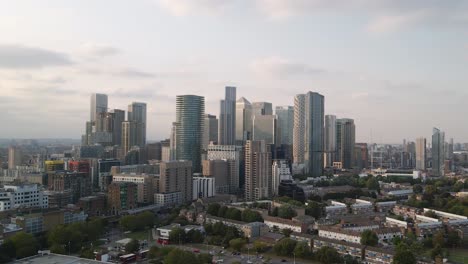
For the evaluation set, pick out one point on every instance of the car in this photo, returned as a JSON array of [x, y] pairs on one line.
[[196, 250], [220, 261], [249, 262], [283, 260]]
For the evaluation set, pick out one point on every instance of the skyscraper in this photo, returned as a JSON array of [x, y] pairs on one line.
[[173, 142], [258, 166], [137, 114], [210, 130], [421, 153], [285, 124], [119, 118], [98, 105], [190, 111], [262, 108], [129, 136], [264, 128], [14, 157], [330, 140], [438, 152], [243, 121], [345, 141], [227, 118], [308, 132]]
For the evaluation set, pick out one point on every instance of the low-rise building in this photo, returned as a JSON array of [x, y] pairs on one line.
[[204, 187], [406, 211], [27, 195], [168, 199], [121, 196], [362, 207], [375, 255], [385, 207], [336, 209], [280, 223], [386, 234], [332, 232], [342, 247], [93, 205]]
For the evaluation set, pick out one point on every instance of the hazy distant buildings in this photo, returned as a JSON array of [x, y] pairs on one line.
[[308, 132], [285, 124], [262, 108], [438, 152], [227, 117], [137, 114], [420, 153], [14, 157], [118, 119], [258, 176], [98, 105], [210, 130], [361, 156], [190, 111], [345, 141], [264, 128], [330, 140], [129, 136], [243, 120]]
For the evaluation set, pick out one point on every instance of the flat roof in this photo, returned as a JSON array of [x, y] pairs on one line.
[[56, 258]]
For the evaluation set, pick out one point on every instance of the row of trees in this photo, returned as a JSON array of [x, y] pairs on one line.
[[290, 248], [285, 211], [246, 215], [178, 235], [220, 234], [137, 222], [169, 255]]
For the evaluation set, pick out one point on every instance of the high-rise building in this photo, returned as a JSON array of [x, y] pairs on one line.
[[308, 129], [104, 176], [78, 182], [14, 157], [264, 128], [232, 154], [129, 136], [144, 182], [243, 120], [361, 156], [176, 177], [262, 108], [122, 196], [227, 117], [98, 105], [421, 153], [219, 170], [153, 151], [345, 141], [280, 172], [137, 114], [190, 113], [285, 116], [173, 142], [438, 152], [258, 176], [330, 140], [119, 118], [210, 128]]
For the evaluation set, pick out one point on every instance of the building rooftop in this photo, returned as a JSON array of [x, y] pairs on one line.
[[56, 258]]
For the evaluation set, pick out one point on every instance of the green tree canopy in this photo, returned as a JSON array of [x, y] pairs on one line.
[[25, 245], [403, 255], [132, 246], [177, 256], [177, 235], [328, 255], [286, 212], [284, 247], [237, 243], [369, 238]]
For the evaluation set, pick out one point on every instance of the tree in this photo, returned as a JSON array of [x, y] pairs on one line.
[[237, 243], [453, 239], [373, 184], [458, 186], [177, 256], [286, 212], [436, 252], [431, 214], [314, 209], [438, 239], [417, 188], [286, 232], [348, 259], [284, 247], [177, 235], [87, 253], [7, 251], [205, 258], [328, 255], [222, 211], [132, 246], [213, 209], [260, 246], [129, 223], [302, 250], [369, 238], [403, 255], [146, 219], [194, 236], [251, 216], [24, 244], [234, 214]]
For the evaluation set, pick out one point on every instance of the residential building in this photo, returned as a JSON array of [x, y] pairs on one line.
[[438, 152], [420, 153], [281, 223], [137, 115], [190, 120], [121, 196], [168, 199], [129, 136], [176, 176], [144, 182], [330, 140], [104, 176], [16, 196], [14, 157], [342, 247], [232, 154], [78, 182], [54, 165], [227, 117], [362, 207], [345, 142], [118, 119], [219, 171], [280, 172], [93, 205], [203, 187], [258, 179]]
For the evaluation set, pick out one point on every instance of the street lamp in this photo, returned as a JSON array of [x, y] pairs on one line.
[[294, 254]]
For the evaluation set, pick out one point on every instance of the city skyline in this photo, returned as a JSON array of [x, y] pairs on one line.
[[66, 63]]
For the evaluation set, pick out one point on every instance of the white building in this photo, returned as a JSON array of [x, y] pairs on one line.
[[172, 198], [280, 223], [344, 235], [13, 196], [203, 187], [280, 173]]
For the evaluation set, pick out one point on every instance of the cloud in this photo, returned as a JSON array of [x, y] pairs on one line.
[[186, 7], [99, 50], [22, 57], [283, 68], [119, 72]]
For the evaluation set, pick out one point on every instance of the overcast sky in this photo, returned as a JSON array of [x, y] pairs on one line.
[[397, 67]]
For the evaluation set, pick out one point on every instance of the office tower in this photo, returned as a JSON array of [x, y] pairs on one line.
[[98, 105], [280, 172], [173, 142], [129, 136], [122, 196], [361, 156], [308, 132], [262, 108], [153, 151], [330, 140], [219, 170], [285, 124], [176, 177], [421, 153], [258, 177], [345, 141], [166, 150], [119, 118], [104, 176], [264, 128], [137, 114], [190, 110], [210, 130], [227, 117], [14, 157], [449, 150], [233, 156], [243, 121], [438, 152]]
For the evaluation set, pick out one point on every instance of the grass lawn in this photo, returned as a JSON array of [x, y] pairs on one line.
[[140, 235], [458, 255]]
